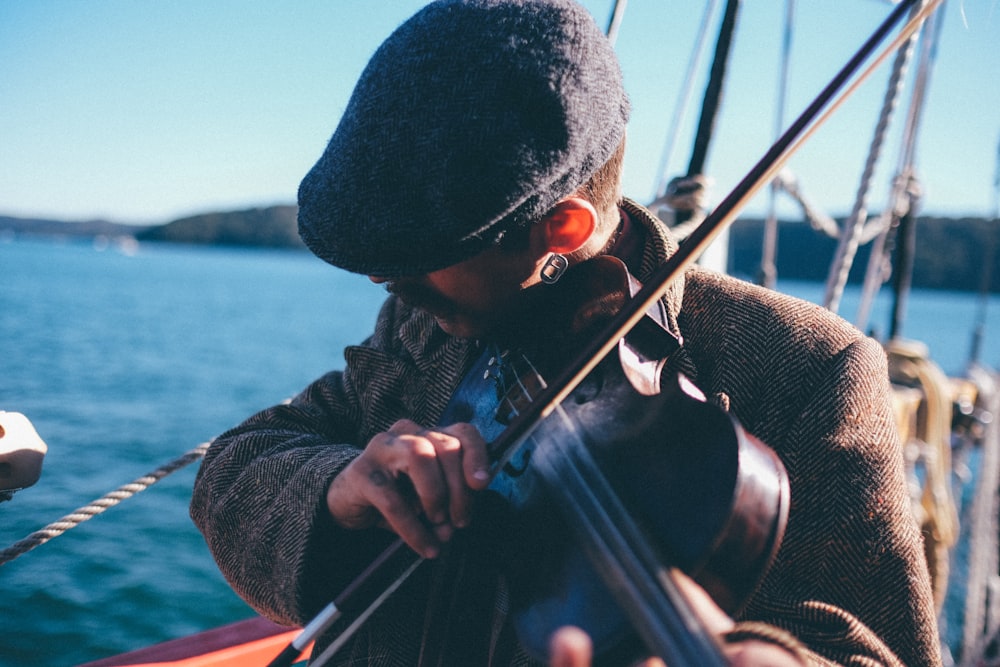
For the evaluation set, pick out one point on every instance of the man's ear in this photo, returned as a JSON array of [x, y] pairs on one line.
[[567, 226]]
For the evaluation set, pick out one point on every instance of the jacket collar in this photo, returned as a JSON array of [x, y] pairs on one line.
[[659, 246]]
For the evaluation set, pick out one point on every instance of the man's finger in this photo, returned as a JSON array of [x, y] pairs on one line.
[[570, 647]]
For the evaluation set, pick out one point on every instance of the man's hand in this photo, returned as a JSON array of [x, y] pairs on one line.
[[416, 481]]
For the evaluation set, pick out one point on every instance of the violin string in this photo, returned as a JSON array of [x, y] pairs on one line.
[[498, 453], [622, 556]]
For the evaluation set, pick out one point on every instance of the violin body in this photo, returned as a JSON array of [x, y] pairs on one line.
[[613, 490]]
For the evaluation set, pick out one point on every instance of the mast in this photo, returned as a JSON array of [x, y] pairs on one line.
[[683, 99], [713, 92], [615, 22], [686, 194], [986, 278], [906, 192]]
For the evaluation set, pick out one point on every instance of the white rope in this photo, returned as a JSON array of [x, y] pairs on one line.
[[816, 218], [100, 505]]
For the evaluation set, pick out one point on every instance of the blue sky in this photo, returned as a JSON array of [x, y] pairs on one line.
[[141, 111]]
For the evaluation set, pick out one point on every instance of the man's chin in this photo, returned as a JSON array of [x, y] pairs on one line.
[[458, 327], [464, 325], [461, 327]]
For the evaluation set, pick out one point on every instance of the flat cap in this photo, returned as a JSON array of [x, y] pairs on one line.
[[473, 117]]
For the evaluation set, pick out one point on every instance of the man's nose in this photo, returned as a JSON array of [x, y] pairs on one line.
[[378, 280]]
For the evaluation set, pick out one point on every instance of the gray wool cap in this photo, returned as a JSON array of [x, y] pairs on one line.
[[473, 117]]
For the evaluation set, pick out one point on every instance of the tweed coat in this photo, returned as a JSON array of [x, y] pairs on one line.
[[849, 584]]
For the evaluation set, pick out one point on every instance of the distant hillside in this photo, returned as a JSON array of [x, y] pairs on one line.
[[273, 227], [950, 252], [62, 228]]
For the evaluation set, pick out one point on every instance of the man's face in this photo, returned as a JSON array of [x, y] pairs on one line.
[[475, 298]]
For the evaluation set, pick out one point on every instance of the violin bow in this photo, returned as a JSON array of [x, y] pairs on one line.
[[836, 92], [808, 122]]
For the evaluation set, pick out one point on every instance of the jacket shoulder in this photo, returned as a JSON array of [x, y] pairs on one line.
[[730, 310]]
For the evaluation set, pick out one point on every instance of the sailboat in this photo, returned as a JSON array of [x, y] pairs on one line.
[[938, 416]]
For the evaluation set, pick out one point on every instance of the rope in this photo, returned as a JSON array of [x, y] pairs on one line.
[[910, 366], [906, 190], [851, 235], [98, 506], [986, 277], [684, 204], [816, 218]]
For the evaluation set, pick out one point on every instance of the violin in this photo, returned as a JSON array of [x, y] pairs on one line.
[[634, 474]]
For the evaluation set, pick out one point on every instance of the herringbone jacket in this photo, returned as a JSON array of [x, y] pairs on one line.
[[849, 582]]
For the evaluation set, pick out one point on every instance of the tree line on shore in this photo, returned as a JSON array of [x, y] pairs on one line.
[[950, 253]]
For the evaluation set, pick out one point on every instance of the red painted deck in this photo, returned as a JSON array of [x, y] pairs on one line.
[[249, 643]]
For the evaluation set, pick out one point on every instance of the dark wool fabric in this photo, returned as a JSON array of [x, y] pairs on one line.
[[849, 581], [472, 118]]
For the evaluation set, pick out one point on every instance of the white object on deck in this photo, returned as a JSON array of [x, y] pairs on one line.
[[21, 453]]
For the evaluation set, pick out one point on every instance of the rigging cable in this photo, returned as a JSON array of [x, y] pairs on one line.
[[683, 100], [905, 189], [768, 262], [685, 195], [100, 505], [850, 237]]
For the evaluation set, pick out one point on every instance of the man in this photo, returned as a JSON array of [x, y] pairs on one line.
[[479, 157]]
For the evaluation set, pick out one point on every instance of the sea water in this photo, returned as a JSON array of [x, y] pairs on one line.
[[123, 361], [124, 358]]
